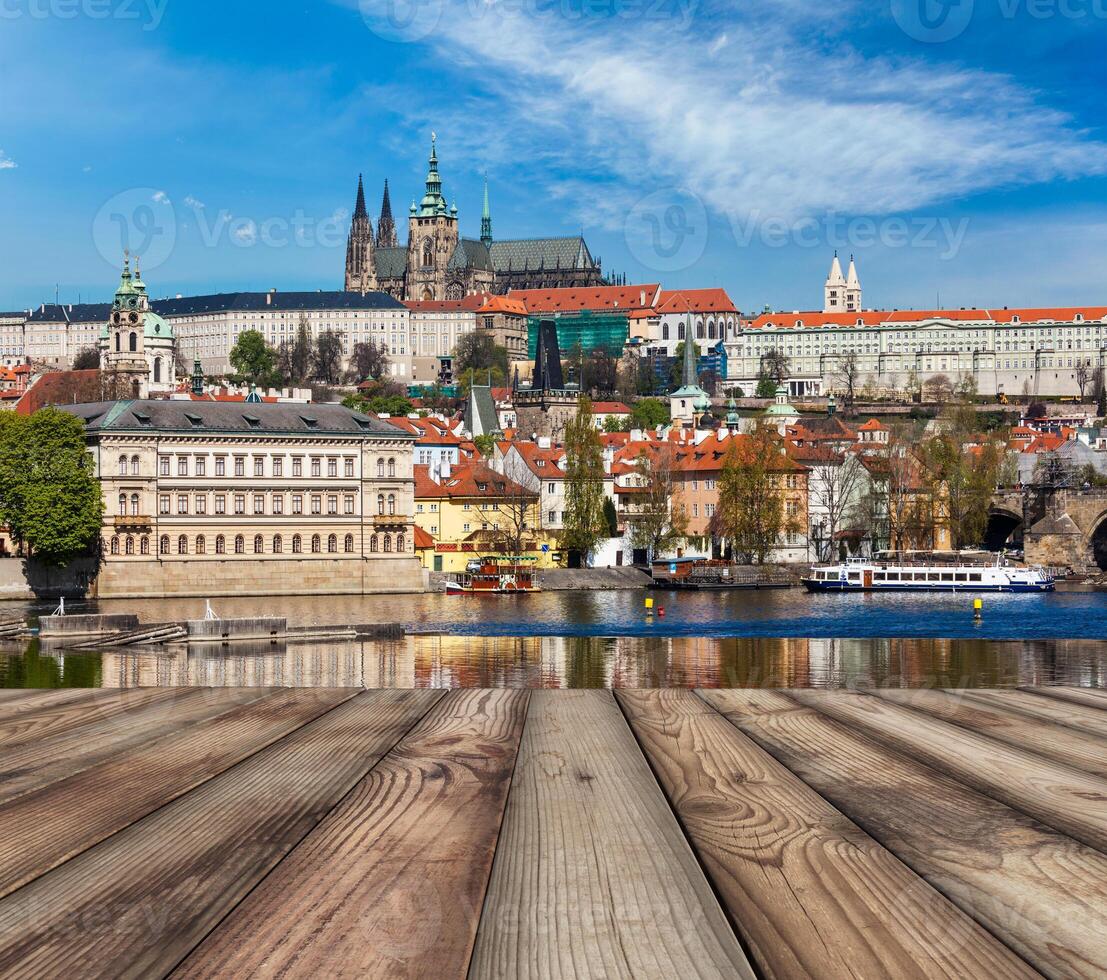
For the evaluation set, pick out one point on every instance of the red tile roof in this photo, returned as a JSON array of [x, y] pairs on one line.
[[61, 388], [473, 480], [504, 304], [422, 538], [610, 408], [696, 300], [872, 318], [571, 299]]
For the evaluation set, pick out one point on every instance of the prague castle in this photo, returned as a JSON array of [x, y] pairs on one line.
[[437, 263]]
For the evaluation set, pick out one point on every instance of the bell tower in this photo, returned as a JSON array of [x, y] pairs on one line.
[[432, 237]]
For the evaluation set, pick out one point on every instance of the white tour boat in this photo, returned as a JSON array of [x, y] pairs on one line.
[[889, 572]]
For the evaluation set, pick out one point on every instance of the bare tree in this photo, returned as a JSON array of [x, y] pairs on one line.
[[369, 360], [1083, 375], [939, 388], [775, 365], [295, 357], [328, 357], [835, 484], [659, 518], [86, 359], [510, 517], [846, 376]]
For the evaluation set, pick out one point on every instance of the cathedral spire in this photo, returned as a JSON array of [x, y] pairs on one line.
[[386, 225], [359, 247], [486, 218], [433, 202], [359, 207], [690, 379]]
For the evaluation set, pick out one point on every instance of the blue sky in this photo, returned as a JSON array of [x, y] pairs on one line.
[[958, 148]]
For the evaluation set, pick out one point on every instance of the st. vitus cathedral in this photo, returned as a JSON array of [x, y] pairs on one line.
[[438, 264]]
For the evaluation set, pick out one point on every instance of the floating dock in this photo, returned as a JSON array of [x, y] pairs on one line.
[[205, 832]]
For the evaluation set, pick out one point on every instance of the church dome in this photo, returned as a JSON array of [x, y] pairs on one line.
[[156, 328]]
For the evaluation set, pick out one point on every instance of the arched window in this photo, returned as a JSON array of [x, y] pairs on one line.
[[316, 544], [122, 465], [115, 546], [399, 542], [699, 329], [428, 254], [680, 331], [259, 544], [122, 505], [129, 545], [134, 466], [201, 545], [710, 329], [163, 545], [349, 544], [297, 544], [157, 370], [144, 546], [387, 543], [373, 545], [220, 545], [118, 342], [392, 503], [380, 503], [380, 467], [182, 545], [332, 544], [134, 505], [132, 342], [392, 467], [664, 331], [239, 544], [278, 544]]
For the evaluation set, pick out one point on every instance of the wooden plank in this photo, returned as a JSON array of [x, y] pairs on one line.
[[808, 890], [593, 876], [162, 884], [391, 882], [1065, 745], [1087, 696], [1040, 892], [19, 701], [1062, 797], [41, 724], [1056, 712], [41, 829], [32, 766]]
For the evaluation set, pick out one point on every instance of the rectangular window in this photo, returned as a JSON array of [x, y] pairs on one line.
[[332, 467], [316, 504], [202, 504], [297, 504], [278, 503], [349, 505], [240, 503], [163, 466], [259, 504], [220, 504], [239, 466], [465, 527], [297, 466], [349, 467], [220, 466], [278, 466], [259, 466], [163, 504], [182, 466], [201, 466], [316, 466], [182, 504]]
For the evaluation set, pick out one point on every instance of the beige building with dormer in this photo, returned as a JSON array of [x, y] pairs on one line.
[[217, 498]]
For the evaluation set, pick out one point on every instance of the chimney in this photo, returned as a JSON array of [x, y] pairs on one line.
[[544, 442], [269, 298], [642, 297]]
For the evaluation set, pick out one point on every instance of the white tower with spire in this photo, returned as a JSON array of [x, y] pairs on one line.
[[853, 287], [834, 293]]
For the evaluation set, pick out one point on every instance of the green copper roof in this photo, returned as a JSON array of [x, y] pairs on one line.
[[433, 202]]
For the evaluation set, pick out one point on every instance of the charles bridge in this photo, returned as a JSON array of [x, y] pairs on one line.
[[1058, 527]]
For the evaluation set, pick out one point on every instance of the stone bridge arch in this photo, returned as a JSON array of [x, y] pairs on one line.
[[1073, 532], [1004, 528]]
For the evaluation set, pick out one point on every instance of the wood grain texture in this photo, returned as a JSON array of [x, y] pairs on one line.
[[1065, 745], [57, 718], [1042, 893], [41, 829], [811, 893], [1065, 798], [593, 876], [137, 903], [15, 702], [390, 884], [1052, 710], [1089, 697], [38, 763]]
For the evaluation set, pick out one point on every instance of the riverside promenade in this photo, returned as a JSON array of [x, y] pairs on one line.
[[199, 832]]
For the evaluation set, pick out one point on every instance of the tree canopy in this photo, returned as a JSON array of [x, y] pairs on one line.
[[253, 358], [585, 523]]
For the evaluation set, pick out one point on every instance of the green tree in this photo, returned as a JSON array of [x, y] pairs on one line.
[[585, 523], [382, 404], [327, 362], [295, 357], [48, 496], [86, 359], [766, 387], [649, 413], [617, 423], [253, 358], [486, 445], [478, 351]]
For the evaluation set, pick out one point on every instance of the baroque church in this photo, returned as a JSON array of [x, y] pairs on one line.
[[438, 264]]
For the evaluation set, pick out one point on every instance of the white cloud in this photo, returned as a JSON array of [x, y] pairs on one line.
[[773, 121], [6, 162], [244, 231], [195, 203], [160, 197]]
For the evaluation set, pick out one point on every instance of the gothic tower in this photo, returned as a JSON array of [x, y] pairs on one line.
[[853, 287], [834, 292], [486, 218], [432, 238], [386, 227], [360, 276]]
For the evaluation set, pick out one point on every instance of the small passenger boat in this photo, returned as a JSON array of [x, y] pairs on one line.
[[922, 572], [494, 575]]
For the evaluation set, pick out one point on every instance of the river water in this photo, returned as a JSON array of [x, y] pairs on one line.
[[606, 639]]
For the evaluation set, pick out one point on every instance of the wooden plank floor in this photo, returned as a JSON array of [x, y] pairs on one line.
[[507, 833]]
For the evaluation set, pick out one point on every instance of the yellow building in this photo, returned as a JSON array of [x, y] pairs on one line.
[[476, 511]]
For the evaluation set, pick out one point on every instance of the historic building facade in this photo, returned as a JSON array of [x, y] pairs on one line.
[[137, 346], [437, 263], [213, 498]]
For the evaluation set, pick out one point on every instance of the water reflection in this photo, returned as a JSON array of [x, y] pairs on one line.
[[577, 661]]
